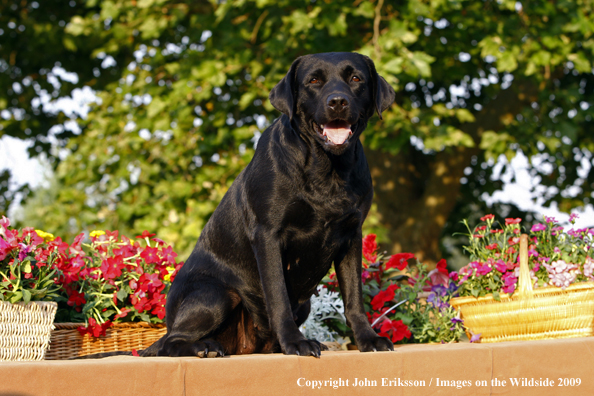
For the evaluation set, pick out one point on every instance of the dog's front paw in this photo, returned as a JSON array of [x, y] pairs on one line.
[[302, 347], [203, 349], [374, 344]]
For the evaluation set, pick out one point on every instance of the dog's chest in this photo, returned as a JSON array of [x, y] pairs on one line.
[[313, 238]]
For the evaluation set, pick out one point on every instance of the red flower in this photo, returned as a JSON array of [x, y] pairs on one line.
[[112, 267], [487, 217], [492, 246], [440, 275], [159, 310], [75, 298], [399, 260], [150, 255], [512, 221], [442, 266], [123, 313], [95, 329], [109, 235], [398, 329], [145, 234], [369, 248], [383, 297], [513, 241]]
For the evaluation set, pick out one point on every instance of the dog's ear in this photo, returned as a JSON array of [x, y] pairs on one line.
[[282, 96], [382, 91]]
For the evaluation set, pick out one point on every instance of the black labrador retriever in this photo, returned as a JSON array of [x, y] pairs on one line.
[[296, 209]]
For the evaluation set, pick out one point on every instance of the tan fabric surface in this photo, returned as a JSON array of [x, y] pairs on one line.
[[437, 370]]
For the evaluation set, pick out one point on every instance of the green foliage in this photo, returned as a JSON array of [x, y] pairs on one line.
[[183, 91]]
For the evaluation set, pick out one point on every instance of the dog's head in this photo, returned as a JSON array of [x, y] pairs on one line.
[[331, 96]]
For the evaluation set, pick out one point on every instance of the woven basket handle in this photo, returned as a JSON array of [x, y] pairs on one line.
[[524, 280]]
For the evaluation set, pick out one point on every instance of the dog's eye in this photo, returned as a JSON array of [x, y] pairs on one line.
[[314, 81], [355, 79]]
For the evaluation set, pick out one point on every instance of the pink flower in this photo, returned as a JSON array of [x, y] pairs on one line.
[[4, 222], [501, 266], [538, 227], [510, 281], [483, 270]]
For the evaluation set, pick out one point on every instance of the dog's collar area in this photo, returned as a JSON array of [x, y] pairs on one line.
[[336, 132]]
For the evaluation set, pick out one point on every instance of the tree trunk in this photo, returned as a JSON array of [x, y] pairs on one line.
[[416, 192]]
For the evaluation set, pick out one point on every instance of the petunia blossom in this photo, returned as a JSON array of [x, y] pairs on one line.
[[399, 260], [383, 297], [369, 248], [538, 227], [397, 328]]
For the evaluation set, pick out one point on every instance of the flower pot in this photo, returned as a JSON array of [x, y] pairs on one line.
[[25, 329], [528, 314], [67, 342]]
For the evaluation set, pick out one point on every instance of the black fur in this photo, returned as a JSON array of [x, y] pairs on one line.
[[295, 209]]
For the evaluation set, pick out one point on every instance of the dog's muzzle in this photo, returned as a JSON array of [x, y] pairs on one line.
[[337, 132]]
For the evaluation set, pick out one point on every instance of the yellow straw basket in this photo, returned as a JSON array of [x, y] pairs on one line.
[[25, 329], [67, 342], [529, 314]]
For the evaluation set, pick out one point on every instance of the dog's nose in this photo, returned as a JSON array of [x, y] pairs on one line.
[[337, 102]]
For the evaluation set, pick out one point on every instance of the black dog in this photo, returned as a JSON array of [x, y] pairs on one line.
[[296, 208]]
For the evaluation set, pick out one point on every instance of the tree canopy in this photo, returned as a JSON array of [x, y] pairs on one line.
[[182, 96]]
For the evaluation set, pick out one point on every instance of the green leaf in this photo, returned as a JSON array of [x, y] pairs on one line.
[[422, 62], [122, 294], [15, 297], [26, 296], [26, 266], [507, 62], [581, 62]]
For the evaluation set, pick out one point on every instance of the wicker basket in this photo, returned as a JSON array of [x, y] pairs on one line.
[[25, 329], [67, 342], [528, 314]]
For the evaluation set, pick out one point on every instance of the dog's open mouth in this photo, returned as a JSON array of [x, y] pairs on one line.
[[336, 132]]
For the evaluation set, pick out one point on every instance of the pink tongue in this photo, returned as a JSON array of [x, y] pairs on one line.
[[337, 135]]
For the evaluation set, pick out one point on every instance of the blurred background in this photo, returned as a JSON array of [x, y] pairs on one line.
[[138, 114]]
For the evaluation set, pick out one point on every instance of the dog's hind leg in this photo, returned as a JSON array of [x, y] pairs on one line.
[[196, 319]]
